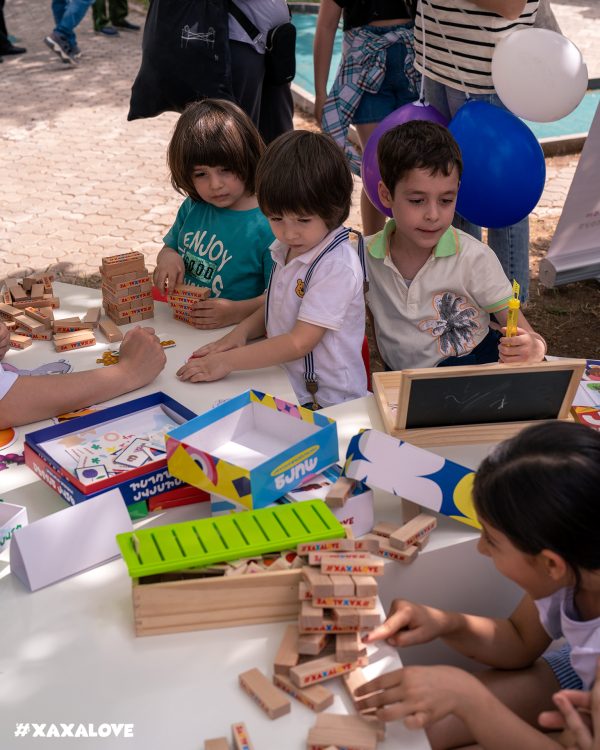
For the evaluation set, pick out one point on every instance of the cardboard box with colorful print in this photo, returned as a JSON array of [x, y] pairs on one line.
[[252, 449]]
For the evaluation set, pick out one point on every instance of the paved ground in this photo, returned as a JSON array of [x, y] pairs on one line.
[[79, 181]]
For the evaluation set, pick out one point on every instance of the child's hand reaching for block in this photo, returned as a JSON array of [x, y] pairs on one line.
[[408, 624], [421, 696]]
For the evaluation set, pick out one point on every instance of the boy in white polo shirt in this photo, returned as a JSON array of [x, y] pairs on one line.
[[314, 315], [433, 287]]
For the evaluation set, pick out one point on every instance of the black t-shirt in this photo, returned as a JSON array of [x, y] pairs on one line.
[[362, 12]]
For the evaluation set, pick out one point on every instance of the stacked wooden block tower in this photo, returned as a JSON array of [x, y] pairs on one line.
[[183, 299], [126, 288], [338, 601]]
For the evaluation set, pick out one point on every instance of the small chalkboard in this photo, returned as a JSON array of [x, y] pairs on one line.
[[483, 403]]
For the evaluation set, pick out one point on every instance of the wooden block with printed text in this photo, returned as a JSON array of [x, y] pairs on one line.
[[272, 701], [351, 563], [218, 743], [413, 532], [316, 697], [241, 738], [340, 491], [287, 654]]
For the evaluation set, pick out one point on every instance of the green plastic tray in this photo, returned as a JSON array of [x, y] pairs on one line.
[[194, 544]]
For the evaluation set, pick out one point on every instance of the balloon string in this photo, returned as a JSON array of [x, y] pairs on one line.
[[422, 91], [440, 29]]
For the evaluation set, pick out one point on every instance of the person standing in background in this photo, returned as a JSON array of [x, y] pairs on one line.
[[6, 46], [375, 77], [117, 14], [68, 14], [454, 44], [269, 106]]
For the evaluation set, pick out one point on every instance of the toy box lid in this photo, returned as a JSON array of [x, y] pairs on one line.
[[209, 540]]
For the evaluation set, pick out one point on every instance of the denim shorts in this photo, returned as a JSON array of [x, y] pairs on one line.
[[560, 663], [395, 88]]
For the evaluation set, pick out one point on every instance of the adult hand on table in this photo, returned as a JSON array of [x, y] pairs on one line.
[[141, 357]]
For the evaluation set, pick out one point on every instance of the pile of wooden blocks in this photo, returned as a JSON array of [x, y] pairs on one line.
[[402, 543], [33, 291], [183, 300], [126, 288], [391, 541], [338, 600]]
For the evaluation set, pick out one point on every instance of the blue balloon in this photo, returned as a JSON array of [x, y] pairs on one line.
[[504, 167]]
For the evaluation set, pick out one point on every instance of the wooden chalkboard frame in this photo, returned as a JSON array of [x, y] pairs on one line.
[[392, 393]]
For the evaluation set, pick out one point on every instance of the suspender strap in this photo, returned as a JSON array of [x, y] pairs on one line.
[[310, 376]]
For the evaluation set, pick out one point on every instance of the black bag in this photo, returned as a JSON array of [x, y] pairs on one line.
[[280, 54], [280, 47], [185, 57]]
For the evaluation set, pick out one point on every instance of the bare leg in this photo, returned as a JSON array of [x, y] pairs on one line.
[[527, 692], [372, 220]]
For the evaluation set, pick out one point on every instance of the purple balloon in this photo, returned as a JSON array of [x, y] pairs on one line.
[[370, 168]]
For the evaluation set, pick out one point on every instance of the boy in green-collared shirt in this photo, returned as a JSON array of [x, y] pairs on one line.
[[433, 287]]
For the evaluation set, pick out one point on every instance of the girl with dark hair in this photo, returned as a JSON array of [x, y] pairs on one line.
[[220, 238], [537, 498]]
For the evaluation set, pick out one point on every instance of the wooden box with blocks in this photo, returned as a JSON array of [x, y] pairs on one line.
[[204, 603]]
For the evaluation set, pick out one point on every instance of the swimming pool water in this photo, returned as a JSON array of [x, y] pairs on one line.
[[578, 121]]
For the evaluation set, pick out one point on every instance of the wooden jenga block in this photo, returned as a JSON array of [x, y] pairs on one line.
[[316, 697], [44, 335], [365, 586], [347, 617], [339, 492], [311, 644], [264, 693], [118, 265], [28, 282], [385, 528], [9, 312], [404, 556], [327, 545], [368, 618], [77, 340], [5, 296], [330, 626], [413, 531], [343, 585], [218, 743], [16, 291], [320, 584], [304, 590], [41, 314], [287, 654], [18, 341], [30, 325], [190, 291], [11, 325], [342, 731], [348, 647], [344, 602], [241, 738], [351, 563], [92, 316], [324, 668], [37, 290], [310, 615], [110, 330]]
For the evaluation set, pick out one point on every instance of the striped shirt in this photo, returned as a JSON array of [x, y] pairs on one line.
[[459, 34]]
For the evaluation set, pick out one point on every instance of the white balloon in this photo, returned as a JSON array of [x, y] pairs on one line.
[[539, 75]]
